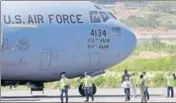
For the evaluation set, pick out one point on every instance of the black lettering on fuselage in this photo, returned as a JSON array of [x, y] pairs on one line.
[[71, 19], [35, 19], [31, 20], [50, 18], [7, 19], [40, 19], [59, 19], [18, 19], [65, 19], [78, 17]]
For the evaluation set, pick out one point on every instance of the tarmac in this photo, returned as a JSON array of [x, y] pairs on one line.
[[102, 95]]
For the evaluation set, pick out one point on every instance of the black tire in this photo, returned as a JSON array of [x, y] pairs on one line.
[[81, 90]]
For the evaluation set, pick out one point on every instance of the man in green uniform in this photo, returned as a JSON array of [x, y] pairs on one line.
[[88, 83], [170, 84], [142, 87], [64, 86]]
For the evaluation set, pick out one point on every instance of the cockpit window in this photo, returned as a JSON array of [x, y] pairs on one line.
[[112, 15], [104, 16], [95, 17]]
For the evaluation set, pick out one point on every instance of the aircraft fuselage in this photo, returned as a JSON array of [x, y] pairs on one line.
[[43, 39]]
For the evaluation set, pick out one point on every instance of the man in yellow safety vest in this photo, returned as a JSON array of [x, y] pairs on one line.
[[170, 84], [88, 84], [64, 86]]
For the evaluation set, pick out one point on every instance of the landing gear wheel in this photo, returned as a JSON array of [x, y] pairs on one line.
[[81, 89]]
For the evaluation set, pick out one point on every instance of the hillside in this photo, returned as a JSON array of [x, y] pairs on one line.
[[156, 18]]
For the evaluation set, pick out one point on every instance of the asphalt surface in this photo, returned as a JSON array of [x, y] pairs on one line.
[[102, 95], [154, 37]]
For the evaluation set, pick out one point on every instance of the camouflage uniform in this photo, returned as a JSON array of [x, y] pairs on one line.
[[142, 86]]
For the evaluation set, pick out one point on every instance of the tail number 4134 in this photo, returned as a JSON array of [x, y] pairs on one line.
[[98, 33]]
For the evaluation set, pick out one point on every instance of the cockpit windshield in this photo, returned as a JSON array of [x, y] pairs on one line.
[[100, 16], [104, 16], [95, 17]]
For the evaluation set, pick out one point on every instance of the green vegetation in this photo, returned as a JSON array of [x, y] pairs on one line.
[[149, 20], [164, 7], [135, 21], [158, 14], [155, 45], [139, 64]]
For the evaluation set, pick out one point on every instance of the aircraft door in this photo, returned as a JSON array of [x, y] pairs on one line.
[[94, 60], [46, 59]]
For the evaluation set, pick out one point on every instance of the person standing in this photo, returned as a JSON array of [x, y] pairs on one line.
[[170, 85], [134, 85], [146, 92], [142, 87], [88, 86], [64, 86], [126, 74], [126, 85]]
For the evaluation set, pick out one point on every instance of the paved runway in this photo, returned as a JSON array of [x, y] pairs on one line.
[[154, 37], [102, 95]]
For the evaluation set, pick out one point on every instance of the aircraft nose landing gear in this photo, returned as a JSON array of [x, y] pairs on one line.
[[81, 89]]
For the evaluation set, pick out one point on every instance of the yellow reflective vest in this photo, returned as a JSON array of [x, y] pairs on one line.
[[170, 81], [88, 81], [64, 82]]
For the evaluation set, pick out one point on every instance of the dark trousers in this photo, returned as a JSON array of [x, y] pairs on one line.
[[66, 95], [127, 93], [88, 93], [146, 93], [170, 90]]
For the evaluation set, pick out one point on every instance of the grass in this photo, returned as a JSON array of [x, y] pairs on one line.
[[138, 64], [155, 20], [166, 63], [156, 46]]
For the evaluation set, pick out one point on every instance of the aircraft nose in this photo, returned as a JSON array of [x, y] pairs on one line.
[[129, 41]]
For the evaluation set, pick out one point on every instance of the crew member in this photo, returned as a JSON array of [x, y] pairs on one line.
[[126, 74], [146, 92], [88, 86], [142, 87], [170, 85], [134, 85], [64, 86], [126, 85]]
